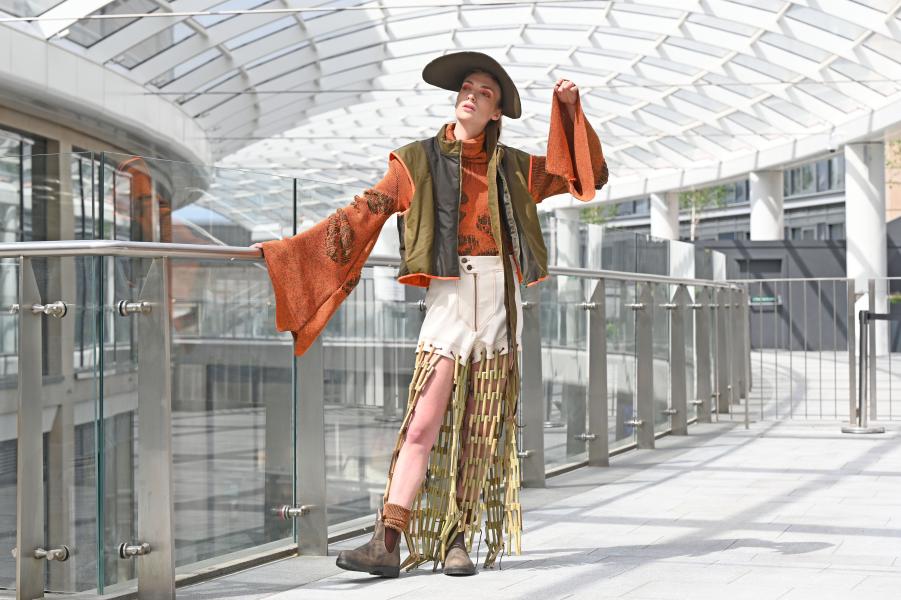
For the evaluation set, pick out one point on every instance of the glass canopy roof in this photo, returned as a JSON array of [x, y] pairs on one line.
[[324, 90]]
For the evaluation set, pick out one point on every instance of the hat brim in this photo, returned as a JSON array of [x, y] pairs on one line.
[[448, 71]]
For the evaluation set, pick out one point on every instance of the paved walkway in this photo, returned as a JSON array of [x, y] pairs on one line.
[[785, 511]]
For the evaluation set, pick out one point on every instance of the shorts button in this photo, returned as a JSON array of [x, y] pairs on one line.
[[463, 260], [469, 267]]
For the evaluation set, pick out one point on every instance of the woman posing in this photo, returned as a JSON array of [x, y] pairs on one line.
[[469, 233]]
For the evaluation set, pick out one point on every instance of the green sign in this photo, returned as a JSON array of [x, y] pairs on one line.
[[765, 300]]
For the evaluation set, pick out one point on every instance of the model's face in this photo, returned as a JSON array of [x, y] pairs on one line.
[[478, 101]]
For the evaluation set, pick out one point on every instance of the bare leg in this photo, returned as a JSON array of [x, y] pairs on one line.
[[413, 458]]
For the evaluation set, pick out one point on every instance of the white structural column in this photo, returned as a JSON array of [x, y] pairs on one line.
[[766, 206], [665, 216], [865, 231], [567, 239]]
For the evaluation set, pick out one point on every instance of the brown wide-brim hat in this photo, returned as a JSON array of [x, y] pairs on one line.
[[448, 71]]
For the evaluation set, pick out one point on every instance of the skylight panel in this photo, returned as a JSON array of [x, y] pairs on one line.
[[261, 32], [27, 8], [90, 31], [186, 67], [763, 69], [644, 18], [865, 76], [794, 46], [716, 23], [664, 117], [888, 47], [790, 111], [825, 22], [152, 46], [210, 20]]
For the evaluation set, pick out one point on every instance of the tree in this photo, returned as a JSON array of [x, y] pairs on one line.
[[696, 201], [600, 214], [893, 163]]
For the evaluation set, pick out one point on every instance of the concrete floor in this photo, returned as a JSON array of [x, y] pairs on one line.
[[789, 511]]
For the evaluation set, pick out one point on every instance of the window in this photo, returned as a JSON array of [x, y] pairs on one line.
[[821, 176], [807, 177], [822, 167]]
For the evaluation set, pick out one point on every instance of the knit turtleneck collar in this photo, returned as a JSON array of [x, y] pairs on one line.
[[473, 149]]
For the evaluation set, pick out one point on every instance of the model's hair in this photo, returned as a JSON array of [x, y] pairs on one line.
[[492, 128]]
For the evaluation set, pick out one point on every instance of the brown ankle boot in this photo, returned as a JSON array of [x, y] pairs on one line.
[[373, 557], [456, 561]]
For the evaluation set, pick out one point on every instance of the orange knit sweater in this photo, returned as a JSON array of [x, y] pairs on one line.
[[314, 271]]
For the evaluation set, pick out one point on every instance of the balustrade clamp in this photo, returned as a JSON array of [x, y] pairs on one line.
[[669, 305], [635, 305], [127, 550], [528, 304], [670, 411], [695, 306], [56, 309], [588, 305], [524, 453], [697, 402], [422, 305], [713, 306], [287, 511], [60, 554], [634, 422], [126, 307], [586, 437]]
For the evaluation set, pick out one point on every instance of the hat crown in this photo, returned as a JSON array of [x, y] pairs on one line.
[[448, 72]]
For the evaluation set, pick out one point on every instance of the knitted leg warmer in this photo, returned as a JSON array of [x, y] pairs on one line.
[[396, 517]]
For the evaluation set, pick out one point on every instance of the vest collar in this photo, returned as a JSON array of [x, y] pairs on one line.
[[455, 147]]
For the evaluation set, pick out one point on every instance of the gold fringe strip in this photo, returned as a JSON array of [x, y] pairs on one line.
[[475, 454]]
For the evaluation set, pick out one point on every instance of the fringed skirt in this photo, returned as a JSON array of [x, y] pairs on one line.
[[476, 452]]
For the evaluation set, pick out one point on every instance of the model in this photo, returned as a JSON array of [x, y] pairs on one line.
[[469, 233]]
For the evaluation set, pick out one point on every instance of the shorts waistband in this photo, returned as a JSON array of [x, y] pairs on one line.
[[480, 264]]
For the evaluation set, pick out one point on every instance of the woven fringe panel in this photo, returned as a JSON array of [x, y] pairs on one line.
[[480, 452]]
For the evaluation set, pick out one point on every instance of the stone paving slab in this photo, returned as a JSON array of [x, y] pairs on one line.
[[783, 511]]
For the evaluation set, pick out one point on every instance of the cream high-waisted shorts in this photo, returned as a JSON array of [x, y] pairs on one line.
[[466, 316]]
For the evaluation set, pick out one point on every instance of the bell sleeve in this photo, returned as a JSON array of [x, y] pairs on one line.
[[314, 271], [575, 160]]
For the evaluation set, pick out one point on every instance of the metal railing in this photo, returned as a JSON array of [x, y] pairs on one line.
[[804, 354], [659, 353]]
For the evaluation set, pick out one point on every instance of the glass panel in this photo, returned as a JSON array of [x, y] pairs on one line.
[[822, 167], [69, 405], [564, 343], [231, 410], [620, 329], [87, 32], [232, 414], [27, 8], [369, 348], [170, 201], [9, 343], [154, 45], [807, 179], [837, 172], [691, 373], [660, 330], [70, 396]]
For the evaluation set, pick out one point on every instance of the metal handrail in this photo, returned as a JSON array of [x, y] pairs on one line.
[[134, 249], [157, 249]]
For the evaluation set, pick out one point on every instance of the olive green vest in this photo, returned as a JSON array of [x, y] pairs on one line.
[[428, 230]]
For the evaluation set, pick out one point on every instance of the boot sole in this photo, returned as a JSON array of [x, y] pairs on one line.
[[460, 572], [384, 571]]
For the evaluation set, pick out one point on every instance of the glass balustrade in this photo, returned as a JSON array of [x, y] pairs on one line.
[[165, 390]]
